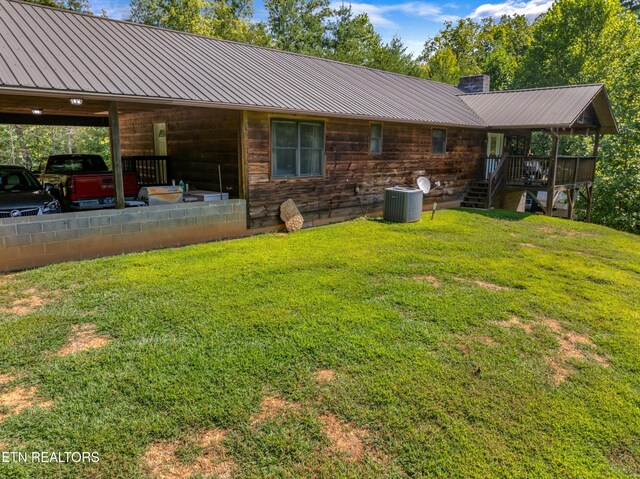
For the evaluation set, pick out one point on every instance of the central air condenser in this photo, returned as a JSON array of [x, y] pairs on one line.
[[402, 205]]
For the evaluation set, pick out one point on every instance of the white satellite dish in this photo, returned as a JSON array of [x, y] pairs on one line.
[[424, 184]]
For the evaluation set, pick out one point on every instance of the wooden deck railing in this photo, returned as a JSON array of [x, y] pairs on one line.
[[533, 171], [575, 169], [151, 170], [528, 170]]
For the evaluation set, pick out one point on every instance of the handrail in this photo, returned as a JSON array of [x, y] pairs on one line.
[[533, 172], [496, 178]]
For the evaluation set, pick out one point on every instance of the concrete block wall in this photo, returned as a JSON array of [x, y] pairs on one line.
[[40, 240]]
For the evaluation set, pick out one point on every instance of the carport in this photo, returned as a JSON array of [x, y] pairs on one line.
[[200, 142]]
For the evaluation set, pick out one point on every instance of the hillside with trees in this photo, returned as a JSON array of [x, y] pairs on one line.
[[576, 41]]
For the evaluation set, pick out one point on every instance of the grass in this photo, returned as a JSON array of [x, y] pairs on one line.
[[202, 333]]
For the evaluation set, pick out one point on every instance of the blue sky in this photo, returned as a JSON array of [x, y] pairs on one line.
[[413, 21]]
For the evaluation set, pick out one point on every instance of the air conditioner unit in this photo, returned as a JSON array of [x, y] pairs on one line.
[[402, 205]]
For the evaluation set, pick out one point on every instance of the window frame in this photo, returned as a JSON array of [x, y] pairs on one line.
[[371, 125], [273, 158], [444, 146]]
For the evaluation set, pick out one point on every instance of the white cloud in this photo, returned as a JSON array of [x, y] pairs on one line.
[[531, 9], [379, 14]]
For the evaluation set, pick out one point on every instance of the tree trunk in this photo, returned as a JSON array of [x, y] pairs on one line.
[[12, 144], [69, 140], [24, 149]]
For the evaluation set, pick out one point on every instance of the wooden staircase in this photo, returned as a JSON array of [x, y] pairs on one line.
[[476, 195]]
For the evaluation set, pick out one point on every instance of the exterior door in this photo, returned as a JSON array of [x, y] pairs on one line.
[[495, 143]]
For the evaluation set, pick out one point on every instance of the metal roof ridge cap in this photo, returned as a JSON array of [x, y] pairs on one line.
[[517, 90]]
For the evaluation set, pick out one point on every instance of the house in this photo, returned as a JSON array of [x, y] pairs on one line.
[[266, 125]]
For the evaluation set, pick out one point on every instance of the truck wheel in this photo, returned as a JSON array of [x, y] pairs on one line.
[[56, 194]]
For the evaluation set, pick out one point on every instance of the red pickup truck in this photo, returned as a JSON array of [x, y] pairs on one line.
[[83, 182]]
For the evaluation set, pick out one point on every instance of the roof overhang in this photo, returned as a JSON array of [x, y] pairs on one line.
[[578, 109]]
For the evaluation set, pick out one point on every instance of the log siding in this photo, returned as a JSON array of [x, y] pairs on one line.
[[198, 139], [354, 178]]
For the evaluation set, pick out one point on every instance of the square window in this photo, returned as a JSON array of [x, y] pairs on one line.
[[297, 148]]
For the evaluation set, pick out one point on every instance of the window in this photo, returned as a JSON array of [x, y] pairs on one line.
[[297, 148], [438, 141], [375, 139]]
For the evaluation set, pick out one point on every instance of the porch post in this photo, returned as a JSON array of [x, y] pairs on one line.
[[116, 154], [596, 146], [551, 181]]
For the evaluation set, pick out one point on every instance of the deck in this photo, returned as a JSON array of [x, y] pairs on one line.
[[533, 172], [573, 175]]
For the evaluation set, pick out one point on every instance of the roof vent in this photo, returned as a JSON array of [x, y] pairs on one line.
[[474, 83]]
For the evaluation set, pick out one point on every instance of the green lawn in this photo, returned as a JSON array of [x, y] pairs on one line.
[[428, 372]]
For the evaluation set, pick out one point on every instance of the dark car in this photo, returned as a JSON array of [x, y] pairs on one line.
[[22, 195]]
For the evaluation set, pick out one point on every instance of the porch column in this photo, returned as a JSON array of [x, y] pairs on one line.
[[551, 181], [596, 146], [116, 155]]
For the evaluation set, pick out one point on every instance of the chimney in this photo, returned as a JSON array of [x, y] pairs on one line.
[[474, 83]]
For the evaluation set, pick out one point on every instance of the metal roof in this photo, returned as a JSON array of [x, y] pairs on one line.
[[49, 51], [559, 107]]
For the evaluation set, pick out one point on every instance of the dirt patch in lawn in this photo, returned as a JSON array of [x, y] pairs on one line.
[[272, 407], [529, 245], [484, 284], [6, 278], [345, 439], [490, 286], [429, 278], [27, 305], [7, 378], [83, 337], [325, 376], [201, 455], [624, 458], [514, 321], [569, 342], [20, 398]]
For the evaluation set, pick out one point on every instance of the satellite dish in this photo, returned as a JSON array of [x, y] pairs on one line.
[[424, 184]]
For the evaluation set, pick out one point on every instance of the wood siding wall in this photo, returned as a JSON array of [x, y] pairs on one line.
[[406, 154], [198, 139]]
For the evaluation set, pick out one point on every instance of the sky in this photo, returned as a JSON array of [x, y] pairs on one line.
[[413, 21]]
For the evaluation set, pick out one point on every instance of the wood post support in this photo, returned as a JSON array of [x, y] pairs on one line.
[[116, 154], [552, 172]]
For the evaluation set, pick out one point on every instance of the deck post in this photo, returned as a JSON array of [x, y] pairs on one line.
[[116, 154], [596, 146], [571, 194], [551, 186], [589, 203]]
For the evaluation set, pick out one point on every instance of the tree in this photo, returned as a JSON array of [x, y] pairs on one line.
[[468, 47], [579, 41], [633, 5], [393, 57], [229, 20], [299, 25], [597, 41], [351, 38]]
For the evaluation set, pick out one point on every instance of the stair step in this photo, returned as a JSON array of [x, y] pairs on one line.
[[475, 197]]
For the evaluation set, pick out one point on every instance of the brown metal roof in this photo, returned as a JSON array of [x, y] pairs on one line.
[[49, 51], [560, 107]]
